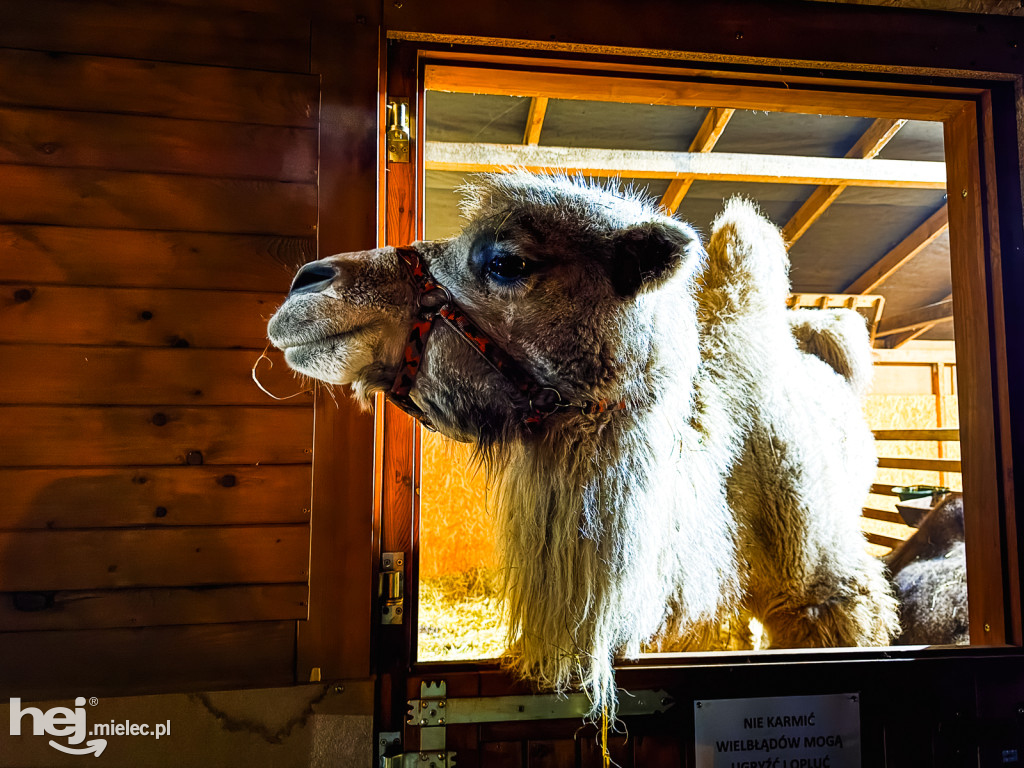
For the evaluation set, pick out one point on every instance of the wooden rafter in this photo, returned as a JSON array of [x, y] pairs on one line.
[[535, 120], [715, 166], [707, 136], [897, 340], [930, 316], [808, 213], [868, 146], [910, 247], [880, 133]]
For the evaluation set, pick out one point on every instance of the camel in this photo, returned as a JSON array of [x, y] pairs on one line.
[[671, 447], [929, 571]]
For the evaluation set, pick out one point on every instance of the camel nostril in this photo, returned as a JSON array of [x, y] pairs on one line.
[[312, 278]]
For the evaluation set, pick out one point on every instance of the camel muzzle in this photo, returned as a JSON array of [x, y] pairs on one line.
[[313, 277]]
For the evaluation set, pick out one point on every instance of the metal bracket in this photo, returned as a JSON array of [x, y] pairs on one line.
[[392, 580], [399, 135], [432, 752], [429, 708]]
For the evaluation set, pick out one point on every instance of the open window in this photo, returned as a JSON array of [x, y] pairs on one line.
[[887, 194], [856, 176], [896, 272]]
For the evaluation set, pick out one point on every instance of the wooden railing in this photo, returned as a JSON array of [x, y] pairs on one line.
[[921, 464]]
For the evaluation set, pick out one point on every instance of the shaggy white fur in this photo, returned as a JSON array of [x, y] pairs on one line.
[[806, 457], [734, 481], [837, 337]]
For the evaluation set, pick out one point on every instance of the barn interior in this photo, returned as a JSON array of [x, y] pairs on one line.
[[882, 249], [277, 576]]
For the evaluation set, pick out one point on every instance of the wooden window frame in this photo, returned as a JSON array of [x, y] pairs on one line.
[[967, 115]]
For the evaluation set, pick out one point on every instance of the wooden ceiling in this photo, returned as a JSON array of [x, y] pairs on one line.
[[860, 201]]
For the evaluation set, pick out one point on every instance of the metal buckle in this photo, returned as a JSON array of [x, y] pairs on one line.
[[434, 298], [551, 407]]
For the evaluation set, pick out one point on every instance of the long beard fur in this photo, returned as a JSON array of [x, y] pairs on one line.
[[598, 537]]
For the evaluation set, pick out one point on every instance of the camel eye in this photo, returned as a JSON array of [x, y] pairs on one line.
[[499, 263], [505, 266]]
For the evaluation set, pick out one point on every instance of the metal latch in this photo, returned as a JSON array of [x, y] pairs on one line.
[[434, 711], [392, 579], [398, 133]]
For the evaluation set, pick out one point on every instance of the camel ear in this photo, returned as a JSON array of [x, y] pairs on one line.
[[648, 254]]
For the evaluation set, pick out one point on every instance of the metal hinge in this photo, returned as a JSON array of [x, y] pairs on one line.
[[392, 579], [399, 134], [392, 740], [419, 760], [388, 741]]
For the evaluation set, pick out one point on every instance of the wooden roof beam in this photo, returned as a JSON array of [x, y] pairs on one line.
[[713, 166], [868, 146], [707, 136], [535, 120], [911, 246], [897, 340], [930, 316]]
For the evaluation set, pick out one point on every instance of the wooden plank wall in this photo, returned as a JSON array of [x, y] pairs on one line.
[[158, 166]]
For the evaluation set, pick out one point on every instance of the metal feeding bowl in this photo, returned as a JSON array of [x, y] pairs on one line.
[[917, 501]]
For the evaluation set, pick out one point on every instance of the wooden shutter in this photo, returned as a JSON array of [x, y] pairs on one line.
[[157, 191]]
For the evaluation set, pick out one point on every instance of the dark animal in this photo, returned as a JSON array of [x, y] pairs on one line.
[[930, 573]]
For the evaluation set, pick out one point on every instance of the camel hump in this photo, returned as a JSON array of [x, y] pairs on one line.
[[840, 338], [747, 258]]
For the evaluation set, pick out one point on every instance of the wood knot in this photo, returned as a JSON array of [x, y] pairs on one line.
[[22, 295], [159, 419], [32, 601]]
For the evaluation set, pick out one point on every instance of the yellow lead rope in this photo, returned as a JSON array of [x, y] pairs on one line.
[[606, 759]]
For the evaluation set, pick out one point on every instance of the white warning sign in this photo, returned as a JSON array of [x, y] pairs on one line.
[[778, 732]]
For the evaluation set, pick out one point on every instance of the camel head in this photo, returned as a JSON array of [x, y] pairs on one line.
[[565, 278]]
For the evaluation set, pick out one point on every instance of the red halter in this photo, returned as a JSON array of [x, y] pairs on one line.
[[434, 302]]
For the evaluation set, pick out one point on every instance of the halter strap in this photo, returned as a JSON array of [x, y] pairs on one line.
[[434, 303]]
